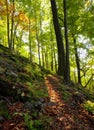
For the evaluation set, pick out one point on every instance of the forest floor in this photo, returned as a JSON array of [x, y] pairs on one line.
[[28, 101], [66, 115]]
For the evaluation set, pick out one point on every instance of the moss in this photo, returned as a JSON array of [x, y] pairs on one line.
[[65, 93], [3, 109], [89, 106], [24, 77]]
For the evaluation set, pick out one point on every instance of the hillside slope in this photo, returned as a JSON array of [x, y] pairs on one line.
[[17, 73], [22, 87], [28, 101]]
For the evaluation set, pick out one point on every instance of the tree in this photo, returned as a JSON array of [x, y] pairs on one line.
[[67, 43], [8, 25], [52, 38], [12, 26], [29, 39], [60, 44], [77, 61]]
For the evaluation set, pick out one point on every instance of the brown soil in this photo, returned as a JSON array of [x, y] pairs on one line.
[[66, 115]]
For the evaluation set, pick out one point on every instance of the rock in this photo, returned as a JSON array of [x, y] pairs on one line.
[[2, 70], [42, 100], [11, 73], [3, 109], [3, 62], [38, 103], [1, 119], [33, 106], [29, 106], [10, 90], [6, 88]]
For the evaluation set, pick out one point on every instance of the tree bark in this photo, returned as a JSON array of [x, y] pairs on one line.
[[67, 44], [43, 56], [12, 27], [77, 62], [8, 26], [88, 81], [37, 39], [30, 48], [52, 47], [59, 39], [55, 61]]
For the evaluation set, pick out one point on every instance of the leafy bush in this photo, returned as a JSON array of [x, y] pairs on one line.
[[37, 124], [89, 106], [28, 122]]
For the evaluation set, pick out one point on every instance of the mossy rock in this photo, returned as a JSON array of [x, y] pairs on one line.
[[3, 109]]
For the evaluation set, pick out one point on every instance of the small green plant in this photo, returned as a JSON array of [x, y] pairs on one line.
[[38, 124], [28, 121], [33, 124], [4, 110], [89, 106]]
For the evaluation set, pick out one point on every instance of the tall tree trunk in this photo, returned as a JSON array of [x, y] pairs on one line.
[[15, 30], [30, 49], [55, 60], [46, 58], [67, 44], [43, 56], [37, 38], [52, 47], [12, 26], [60, 44], [52, 59], [77, 61], [8, 26]]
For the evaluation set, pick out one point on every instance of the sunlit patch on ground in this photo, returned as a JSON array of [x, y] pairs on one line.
[[63, 116]]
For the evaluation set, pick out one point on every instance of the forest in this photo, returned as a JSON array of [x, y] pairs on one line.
[[47, 43]]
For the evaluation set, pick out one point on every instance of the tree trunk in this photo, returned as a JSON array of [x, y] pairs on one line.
[[15, 29], [88, 81], [55, 62], [8, 27], [67, 44], [46, 59], [43, 56], [37, 39], [52, 47], [60, 44], [30, 49], [12, 26], [77, 61], [52, 60]]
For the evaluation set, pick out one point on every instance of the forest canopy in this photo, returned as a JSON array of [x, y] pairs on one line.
[[58, 35]]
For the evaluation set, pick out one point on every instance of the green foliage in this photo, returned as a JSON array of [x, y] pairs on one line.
[[4, 110], [65, 93], [38, 89], [20, 78], [89, 106], [37, 124], [80, 26], [28, 122]]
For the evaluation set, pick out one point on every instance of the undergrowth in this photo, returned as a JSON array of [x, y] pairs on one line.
[[65, 93], [89, 106], [41, 123]]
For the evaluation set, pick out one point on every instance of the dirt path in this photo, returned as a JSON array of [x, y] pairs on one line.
[[65, 116]]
